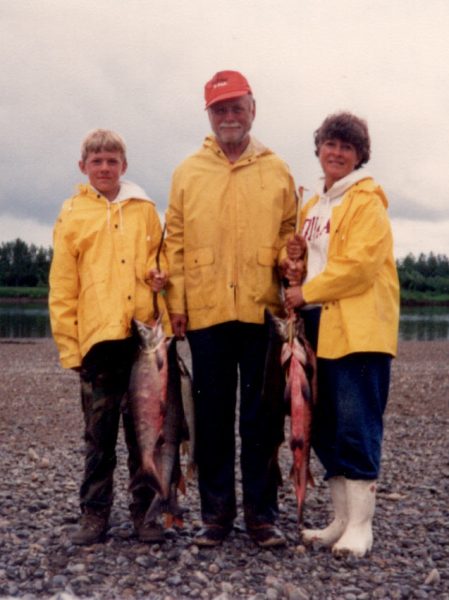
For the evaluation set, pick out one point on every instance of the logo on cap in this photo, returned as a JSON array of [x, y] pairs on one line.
[[225, 85]]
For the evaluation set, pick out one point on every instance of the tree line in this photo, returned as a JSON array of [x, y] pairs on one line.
[[426, 274], [23, 265]]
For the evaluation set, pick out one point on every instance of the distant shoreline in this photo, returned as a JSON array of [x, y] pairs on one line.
[[417, 303], [23, 300], [406, 302]]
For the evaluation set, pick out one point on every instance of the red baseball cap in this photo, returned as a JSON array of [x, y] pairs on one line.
[[225, 85]]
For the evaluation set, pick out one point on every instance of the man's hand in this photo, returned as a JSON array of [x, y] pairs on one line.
[[179, 325], [296, 247], [156, 279]]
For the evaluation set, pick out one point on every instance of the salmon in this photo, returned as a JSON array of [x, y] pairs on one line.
[[299, 364], [147, 395], [273, 397], [188, 410], [175, 433]]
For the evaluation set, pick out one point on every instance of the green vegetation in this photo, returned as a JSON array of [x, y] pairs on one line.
[[24, 274], [25, 266], [424, 280]]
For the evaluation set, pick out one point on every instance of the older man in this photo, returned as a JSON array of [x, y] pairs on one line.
[[232, 208]]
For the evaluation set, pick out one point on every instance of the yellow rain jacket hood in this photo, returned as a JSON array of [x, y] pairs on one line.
[[359, 288], [226, 225], [102, 253]]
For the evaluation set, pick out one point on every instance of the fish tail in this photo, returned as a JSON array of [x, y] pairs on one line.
[[151, 477], [173, 521]]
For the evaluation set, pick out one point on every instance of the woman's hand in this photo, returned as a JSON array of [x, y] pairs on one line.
[[293, 298]]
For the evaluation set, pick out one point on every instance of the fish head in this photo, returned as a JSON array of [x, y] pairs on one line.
[[149, 336], [283, 327], [277, 325]]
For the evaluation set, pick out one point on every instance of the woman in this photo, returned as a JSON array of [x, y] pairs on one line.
[[350, 304]]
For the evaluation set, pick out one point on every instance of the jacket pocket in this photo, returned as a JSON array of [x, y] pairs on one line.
[[267, 286], [91, 304], [141, 271], [200, 277], [199, 257], [267, 256]]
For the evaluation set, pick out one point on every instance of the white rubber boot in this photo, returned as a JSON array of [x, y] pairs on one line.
[[357, 538], [334, 530]]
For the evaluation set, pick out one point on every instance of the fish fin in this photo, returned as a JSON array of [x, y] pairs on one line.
[[294, 475], [183, 367], [154, 510], [151, 478], [172, 521], [310, 479], [178, 521], [191, 471], [182, 485], [168, 520]]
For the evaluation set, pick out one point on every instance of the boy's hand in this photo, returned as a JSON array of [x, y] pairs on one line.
[[179, 325], [156, 279], [293, 298]]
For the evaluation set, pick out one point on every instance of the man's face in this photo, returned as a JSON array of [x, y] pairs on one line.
[[104, 170], [231, 120]]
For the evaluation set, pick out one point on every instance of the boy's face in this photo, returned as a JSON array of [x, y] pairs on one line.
[[104, 170]]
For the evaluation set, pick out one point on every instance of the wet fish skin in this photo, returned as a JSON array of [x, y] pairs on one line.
[[167, 454], [188, 410], [299, 362], [299, 393], [147, 394], [273, 396]]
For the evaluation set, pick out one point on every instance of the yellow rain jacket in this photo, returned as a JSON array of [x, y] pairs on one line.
[[359, 288], [226, 225], [102, 253]]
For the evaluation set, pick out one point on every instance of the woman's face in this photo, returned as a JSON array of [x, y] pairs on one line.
[[337, 159]]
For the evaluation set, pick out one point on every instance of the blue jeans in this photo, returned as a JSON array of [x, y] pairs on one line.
[[348, 419]]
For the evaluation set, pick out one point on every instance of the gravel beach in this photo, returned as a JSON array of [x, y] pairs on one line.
[[41, 452]]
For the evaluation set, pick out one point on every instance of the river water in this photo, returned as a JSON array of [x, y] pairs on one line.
[[30, 320]]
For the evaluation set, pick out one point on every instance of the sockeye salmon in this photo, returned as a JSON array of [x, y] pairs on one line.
[[299, 364], [147, 396], [175, 433], [189, 415], [273, 401]]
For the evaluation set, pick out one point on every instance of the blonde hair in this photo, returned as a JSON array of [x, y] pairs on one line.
[[99, 140]]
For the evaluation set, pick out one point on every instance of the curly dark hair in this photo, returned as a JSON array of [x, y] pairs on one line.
[[348, 128]]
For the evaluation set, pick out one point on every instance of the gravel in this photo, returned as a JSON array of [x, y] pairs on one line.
[[41, 454]]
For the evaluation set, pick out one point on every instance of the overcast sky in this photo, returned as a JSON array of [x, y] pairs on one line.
[[139, 67]]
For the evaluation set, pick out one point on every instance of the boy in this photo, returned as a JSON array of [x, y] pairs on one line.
[[102, 275]]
